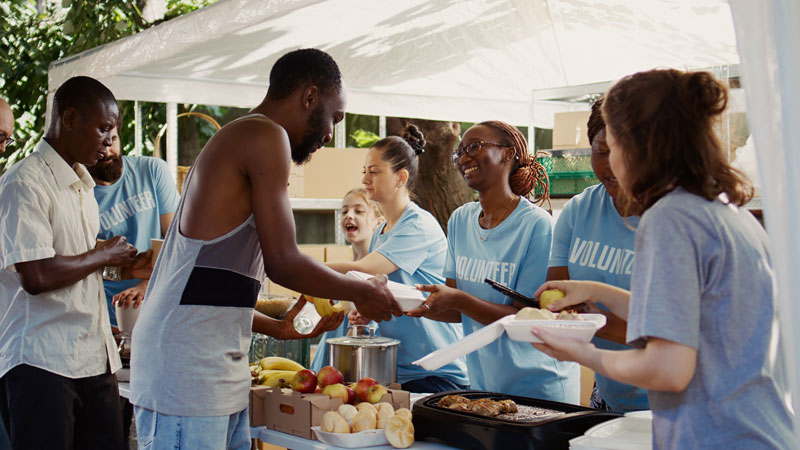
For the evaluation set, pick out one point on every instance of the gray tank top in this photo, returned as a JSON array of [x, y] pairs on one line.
[[191, 340]]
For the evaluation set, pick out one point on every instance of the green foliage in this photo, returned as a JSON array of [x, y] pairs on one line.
[[30, 41], [363, 138]]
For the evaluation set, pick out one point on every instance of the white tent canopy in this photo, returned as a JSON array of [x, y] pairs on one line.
[[466, 60]]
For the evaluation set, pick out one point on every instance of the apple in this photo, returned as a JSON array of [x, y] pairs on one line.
[[351, 395], [375, 393], [362, 386], [329, 375], [305, 381], [337, 390]]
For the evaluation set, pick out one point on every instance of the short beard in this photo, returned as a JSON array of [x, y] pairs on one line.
[[301, 153], [108, 169]]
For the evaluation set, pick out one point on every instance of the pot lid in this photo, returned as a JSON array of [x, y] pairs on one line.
[[364, 341]]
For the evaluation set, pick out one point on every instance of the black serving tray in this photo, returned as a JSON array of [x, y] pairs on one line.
[[470, 431]]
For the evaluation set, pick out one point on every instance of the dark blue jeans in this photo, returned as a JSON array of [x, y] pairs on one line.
[[432, 385]]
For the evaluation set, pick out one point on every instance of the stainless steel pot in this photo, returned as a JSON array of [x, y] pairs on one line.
[[364, 355]]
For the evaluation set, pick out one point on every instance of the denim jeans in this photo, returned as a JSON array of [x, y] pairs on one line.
[[158, 431], [432, 385]]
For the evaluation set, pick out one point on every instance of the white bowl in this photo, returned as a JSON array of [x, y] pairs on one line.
[[366, 438], [582, 330]]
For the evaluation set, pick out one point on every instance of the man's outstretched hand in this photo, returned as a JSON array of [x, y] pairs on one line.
[[376, 302]]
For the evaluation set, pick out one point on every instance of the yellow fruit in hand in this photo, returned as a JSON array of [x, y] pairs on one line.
[[549, 297], [323, 306]]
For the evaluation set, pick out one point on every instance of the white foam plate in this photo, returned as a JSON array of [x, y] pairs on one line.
[[468, 344], [407, 296], [582, 330], [632, 432], [366, 438], [518, 330]]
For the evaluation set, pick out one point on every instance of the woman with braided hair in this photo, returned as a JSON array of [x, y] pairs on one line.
[[504, 237]]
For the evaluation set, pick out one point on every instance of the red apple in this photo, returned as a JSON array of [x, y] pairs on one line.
[[375, 393], [305, 381], [361, 388], [337, 390], [329, 375], [351, 395]]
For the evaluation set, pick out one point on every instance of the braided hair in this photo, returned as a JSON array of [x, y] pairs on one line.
[[527, 174]]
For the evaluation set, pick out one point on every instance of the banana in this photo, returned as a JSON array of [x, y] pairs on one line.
[[264, 375], [281, 378], [279, 363], [323, 306]]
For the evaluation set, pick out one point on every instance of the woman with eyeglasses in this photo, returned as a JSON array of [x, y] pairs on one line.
[[410, 248], [504, 237]]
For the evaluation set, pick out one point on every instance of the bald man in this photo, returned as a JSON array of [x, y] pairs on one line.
[[57, 354], [6, 125]]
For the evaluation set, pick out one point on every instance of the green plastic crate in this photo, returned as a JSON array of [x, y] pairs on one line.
[[569, 175]]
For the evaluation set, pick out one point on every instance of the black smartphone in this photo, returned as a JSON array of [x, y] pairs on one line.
[[530, 301]]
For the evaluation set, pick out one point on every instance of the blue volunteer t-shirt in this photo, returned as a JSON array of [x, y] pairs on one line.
[[514, 254], [132, 207], [417, 246], [593, 241]]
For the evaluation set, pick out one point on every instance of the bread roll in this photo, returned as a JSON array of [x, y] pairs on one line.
[[403, 412], [385, 412], [369, 406], [364, 420], [529, 313], [333, 422], [347, 411], [399, 432]]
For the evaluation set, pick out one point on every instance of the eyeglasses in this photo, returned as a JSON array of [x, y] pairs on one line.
[[474, 148], [8, 140]]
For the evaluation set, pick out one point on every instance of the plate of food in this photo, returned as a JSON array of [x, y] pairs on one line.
[[565, 324], [366, 425]]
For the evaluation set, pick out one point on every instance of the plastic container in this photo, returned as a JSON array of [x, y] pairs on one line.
[[366, 438]]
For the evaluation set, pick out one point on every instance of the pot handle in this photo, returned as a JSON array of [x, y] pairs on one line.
[[358, 330]]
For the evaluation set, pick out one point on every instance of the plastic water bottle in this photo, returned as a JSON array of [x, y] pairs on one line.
[[306, 319]]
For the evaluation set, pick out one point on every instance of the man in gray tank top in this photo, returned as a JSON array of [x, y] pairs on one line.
[[233, 224]]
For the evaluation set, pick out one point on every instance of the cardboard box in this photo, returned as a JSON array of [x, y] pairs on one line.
[[315, 251], [570, 130], [332, 172], [258, 398], [294, 413], [338, 253]]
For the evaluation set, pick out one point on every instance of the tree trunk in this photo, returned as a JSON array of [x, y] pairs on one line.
[[440, 187], [188, 138]]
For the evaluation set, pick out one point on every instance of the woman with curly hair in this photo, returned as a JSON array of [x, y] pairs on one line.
[[505, 237]]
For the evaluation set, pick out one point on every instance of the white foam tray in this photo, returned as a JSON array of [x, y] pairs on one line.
[[632, 432], [518, 330], [407, 296]]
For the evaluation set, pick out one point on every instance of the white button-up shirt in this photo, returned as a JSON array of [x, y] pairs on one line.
[[48, 208]]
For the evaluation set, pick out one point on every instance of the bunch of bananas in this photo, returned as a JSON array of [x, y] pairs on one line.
[[323, 306], [274, 371]]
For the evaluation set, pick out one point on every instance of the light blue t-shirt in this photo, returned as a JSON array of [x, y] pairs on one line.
[[417, 246], [132, 207], [514, 254], [703, 278], [593, 241]]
